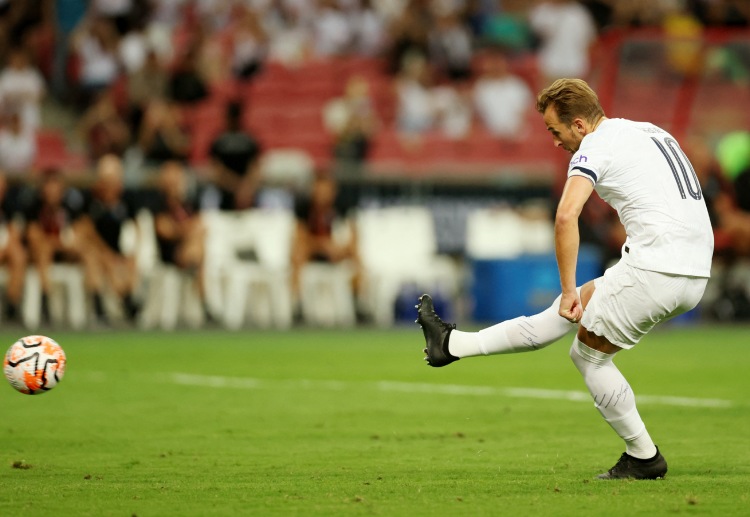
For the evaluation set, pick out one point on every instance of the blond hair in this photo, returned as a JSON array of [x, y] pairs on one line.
[[571, 98]]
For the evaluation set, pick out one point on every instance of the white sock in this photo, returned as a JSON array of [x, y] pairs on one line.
[[613, 398], [522, 334]]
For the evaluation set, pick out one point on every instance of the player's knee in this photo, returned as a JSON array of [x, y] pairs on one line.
[[575, 356], [580, 359]]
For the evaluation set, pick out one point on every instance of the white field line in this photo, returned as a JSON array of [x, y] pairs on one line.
[[214, 381]]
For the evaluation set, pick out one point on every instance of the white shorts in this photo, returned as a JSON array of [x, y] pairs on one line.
[[628, 302]]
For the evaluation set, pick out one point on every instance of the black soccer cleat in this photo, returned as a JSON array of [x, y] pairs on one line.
[[628, 467], [436, 333]]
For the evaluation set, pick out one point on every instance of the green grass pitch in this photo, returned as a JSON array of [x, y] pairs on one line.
[[312, 422]]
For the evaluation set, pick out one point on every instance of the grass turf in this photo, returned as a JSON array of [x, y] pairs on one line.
[[352, 422]]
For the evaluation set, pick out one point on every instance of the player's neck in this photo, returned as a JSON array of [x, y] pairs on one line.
[[597, 123]]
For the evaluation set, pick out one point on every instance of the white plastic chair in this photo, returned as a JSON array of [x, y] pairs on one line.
[[326, 289], [287, 167], [494, 233], [398, 246], [326, 295], [260, 288], [67, 299], [170, 295], [503, 233]]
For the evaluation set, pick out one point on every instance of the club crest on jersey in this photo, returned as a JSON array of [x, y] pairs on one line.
[[579, 159]]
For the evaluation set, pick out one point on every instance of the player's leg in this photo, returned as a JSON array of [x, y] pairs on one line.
[[617, 309], [614, 399], [446, 344]]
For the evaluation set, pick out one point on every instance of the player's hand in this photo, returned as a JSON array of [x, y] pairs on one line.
[[570, 307]]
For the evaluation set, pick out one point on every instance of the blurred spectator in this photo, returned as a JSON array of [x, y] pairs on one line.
[[733, 209], [164, 17], [477, 15], [414, 103], [683, 42], [640, 13], [601, 12], [716, 188], [352, 121], [316, 239], [161, 136], [450, 48], [132, 50], [103, 129], [21, 24], [733, 155], [214, 15], [22, 87], [505, 29], [180, 232], [95, 43], [249, 45], [12, 253], [187, 85], [453, 109], [730, 296], [54, 235], [721, 13], [105, 217], [333, 34], [117, 12], [18, 147], [566, 31], [291, 38], [148, 82], [409, 33], [369, 29], [501, 99], [6, 8], [234, 163]]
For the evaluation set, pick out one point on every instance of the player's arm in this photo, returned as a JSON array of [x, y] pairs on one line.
[[576, 192]]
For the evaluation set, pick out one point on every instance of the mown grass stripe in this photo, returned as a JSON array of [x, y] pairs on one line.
[[214, 381]]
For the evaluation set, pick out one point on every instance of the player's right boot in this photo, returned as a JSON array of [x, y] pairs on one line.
[[628, 467], [436, 333]]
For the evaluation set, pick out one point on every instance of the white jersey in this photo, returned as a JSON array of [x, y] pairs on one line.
[[641, 171]]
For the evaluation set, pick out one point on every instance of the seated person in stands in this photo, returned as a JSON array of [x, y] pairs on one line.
[[102, 128], [103, 220], [18, 147], [54, 234], [12, 253], [162, 136], [234, 163], [352, 121], [315, 240], [187, 85], [180, 232], [501, 99]]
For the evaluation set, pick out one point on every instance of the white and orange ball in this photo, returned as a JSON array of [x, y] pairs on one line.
[[34, 364]]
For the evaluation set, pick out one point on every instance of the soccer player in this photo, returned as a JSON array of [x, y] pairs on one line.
[[641, 171]]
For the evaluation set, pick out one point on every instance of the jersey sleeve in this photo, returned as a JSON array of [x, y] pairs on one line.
[[591, 160]]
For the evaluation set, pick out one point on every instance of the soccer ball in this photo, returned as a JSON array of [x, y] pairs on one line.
[[34, 364]]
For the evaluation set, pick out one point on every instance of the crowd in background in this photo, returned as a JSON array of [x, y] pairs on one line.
[[130, 70]]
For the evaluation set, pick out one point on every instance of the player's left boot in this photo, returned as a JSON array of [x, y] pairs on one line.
[[628, 467], [436, 333]]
